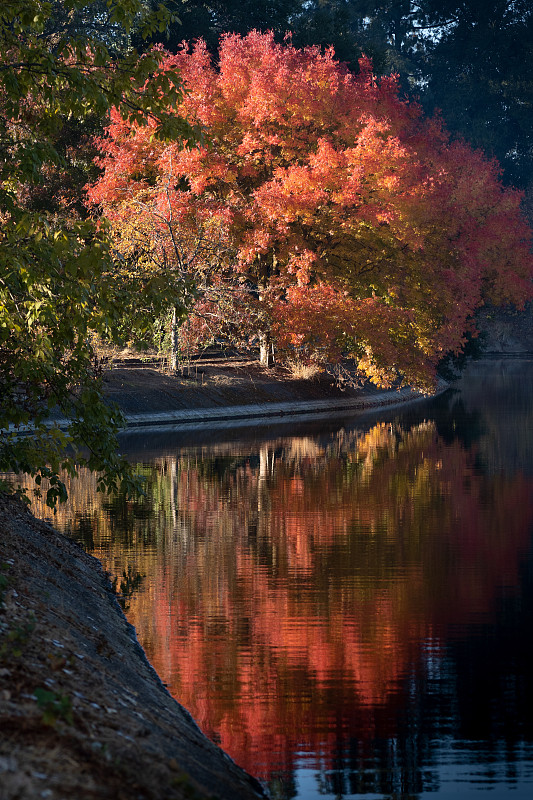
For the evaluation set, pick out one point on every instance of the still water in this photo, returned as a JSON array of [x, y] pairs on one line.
[[345, 607]]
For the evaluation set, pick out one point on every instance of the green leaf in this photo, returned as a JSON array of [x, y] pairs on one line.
[[57, 272]]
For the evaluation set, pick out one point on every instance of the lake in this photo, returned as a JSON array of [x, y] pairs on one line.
[[346, 606]]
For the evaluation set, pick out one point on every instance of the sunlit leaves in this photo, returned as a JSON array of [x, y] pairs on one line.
[[354, 223]]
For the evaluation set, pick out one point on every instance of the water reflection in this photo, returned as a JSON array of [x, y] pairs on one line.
[[347, 611]]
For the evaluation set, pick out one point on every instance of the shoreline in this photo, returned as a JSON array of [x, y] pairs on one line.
[[82, 712], [235, 395], [269, 412]]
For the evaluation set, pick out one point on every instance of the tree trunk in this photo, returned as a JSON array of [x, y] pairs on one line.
[[266, 350], [174, 341], [262, 487]]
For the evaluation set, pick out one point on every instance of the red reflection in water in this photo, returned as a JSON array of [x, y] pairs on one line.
[[292, 597]]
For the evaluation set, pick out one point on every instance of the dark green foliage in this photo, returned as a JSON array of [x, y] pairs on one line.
[[382, 30], [54, 706], [478, 74], [58, 287], [209, 19]]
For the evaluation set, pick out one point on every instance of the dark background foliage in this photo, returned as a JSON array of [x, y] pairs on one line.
[[467, 58]]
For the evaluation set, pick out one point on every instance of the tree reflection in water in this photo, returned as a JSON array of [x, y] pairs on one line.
[[347, 600]]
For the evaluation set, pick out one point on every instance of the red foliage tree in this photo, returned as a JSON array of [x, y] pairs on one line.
[[350, 222]]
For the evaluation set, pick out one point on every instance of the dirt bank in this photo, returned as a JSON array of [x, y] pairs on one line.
[[82, 713], [506, 330], [140, 387]]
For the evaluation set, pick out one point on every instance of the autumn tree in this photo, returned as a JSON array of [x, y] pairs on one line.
[[352, 223], [469, 58], [57, 283], [466, 57]]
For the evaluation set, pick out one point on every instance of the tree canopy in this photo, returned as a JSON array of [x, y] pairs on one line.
[[466, 57], [349, 222], [57, 281]]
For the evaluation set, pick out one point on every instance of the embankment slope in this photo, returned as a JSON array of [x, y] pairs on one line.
[[103, 725]]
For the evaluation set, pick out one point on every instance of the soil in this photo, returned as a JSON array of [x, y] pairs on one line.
[[144, 386]]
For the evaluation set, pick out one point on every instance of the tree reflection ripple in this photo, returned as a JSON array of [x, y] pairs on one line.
[[346, 611]]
